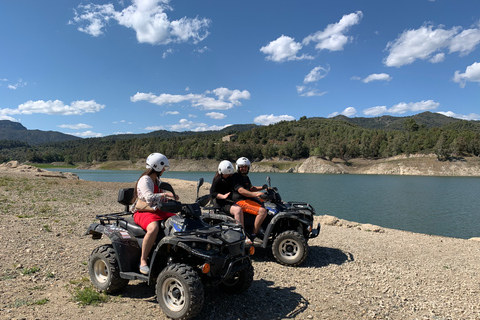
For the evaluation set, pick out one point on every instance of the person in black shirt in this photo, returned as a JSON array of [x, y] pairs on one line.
[[222, 189], [246, 195]]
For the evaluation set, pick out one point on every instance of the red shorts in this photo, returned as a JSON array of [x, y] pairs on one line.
[[143, 219], [249, 206]]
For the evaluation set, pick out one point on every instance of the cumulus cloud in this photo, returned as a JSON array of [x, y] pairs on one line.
[[316, 74], [471, 116], [333, 38], [55, 107], [148, 18], [186, 125], [377, 77], [428, 43], [402, 107], [172, 112], [348, 112], [87, 134], [225, 99], [472, 73], [75, 126], [283, 49], [216, 115], [271, 119]]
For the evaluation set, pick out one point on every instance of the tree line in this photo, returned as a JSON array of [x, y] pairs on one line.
[[326, 138]]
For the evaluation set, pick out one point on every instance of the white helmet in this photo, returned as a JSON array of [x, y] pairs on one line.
[[225, 167], [242, 162], [157, 162]]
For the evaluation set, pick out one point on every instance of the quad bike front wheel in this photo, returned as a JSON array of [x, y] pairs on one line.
[[104, 271], [179, 291], [290, 248], [238, 283]]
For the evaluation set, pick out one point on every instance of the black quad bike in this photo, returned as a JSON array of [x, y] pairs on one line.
[[286, 229], [188, 254]]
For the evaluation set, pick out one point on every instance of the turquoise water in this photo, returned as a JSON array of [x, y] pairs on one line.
[[446, 206]]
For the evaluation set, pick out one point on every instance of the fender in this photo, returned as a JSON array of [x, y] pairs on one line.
[[281, 216], [122, 241]]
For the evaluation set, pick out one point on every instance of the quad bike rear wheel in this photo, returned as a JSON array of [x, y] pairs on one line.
[[104, 271], [238, 283], [290, 248], [179, 291]]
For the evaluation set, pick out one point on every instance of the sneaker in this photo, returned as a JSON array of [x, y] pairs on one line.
[[248, 242], [144, 269]]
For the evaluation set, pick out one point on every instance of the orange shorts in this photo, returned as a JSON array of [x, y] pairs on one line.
[[249, 206]]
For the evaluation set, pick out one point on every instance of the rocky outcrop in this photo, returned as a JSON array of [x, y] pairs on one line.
[[16, 167]]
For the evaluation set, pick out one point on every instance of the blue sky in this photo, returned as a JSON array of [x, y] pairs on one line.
[[100, 68]]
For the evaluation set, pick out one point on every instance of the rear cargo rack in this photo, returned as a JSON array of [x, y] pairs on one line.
[[112, 218]]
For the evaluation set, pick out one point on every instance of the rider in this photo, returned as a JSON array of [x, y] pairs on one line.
[[147, 189], [222, 189], [246, 195]]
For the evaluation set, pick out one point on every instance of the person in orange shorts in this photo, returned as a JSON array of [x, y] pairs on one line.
[[246, 196]]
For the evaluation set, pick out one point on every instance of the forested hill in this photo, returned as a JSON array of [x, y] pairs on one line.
[[14, 131], [427, 119], [339, 137]]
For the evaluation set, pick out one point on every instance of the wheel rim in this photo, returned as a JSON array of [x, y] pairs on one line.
[[173, 294], [100, 270], [289, 249]]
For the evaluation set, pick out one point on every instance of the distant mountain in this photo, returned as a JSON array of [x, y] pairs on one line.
[[428, 119], [14, 131]]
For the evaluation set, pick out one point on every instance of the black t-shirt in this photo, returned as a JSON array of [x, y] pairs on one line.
[[240, 181], [221, 185]]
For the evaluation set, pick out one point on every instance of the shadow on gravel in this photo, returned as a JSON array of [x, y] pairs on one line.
[[317, 256], [322, 257], [263, 300]]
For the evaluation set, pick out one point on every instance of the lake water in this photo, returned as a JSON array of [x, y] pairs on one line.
[[446, 206]]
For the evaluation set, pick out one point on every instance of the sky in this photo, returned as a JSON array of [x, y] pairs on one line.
[[99, 68]]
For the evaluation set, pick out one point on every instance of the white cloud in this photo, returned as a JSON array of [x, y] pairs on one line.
[[172, 112], [439, 57], [304, 91], [403, 107], [56, 107], [8, 118], [227, 99], [75, 126], [17, 85], [271, 119], [316, 74], [87, 134], [348, 112], [377, 77], [283, 49], [375, 111], [472, 73], [427, 43], [333, 38], [186, 125], [216, 115], [147, 18], [471, 116]]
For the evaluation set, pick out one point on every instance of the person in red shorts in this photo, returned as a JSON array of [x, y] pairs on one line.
[[147, 189], [246, 196]]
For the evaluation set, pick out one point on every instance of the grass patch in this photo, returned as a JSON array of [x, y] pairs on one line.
[[8, 275], [88, 296], [50, 166], [22, 302], [31, 270], [47, 228]]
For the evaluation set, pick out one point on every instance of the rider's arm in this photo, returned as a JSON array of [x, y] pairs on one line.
[[145, 190], [249, 194]]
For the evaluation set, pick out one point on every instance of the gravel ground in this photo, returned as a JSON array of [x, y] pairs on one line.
[[352, 271]]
